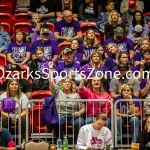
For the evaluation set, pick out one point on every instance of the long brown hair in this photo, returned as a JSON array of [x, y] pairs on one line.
[[8, 93], [70, 5], [100, 61], [85, 39], [24, 35], [89, 85]]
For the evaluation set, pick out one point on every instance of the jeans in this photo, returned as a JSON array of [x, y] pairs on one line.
[[76, 122], [132, 121], [23, 124], [91, 120]]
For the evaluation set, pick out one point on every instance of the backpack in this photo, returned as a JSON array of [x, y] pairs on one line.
[[49, 113], [8, 105]]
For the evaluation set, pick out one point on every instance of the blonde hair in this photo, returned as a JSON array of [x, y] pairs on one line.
[[70, 5], [8, 93], [126, 86], [40, 49], [110, 19], [73, 85], [85, 39], [145, 39], [107, 50]]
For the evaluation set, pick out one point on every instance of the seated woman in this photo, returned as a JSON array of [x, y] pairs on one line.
[[99, 48], [90, 42], [128, 112], [144, 136], [89, 11], [19, 51], [138, 29], [144, 46], [95, 135], [36, 34], [13, 90], [74, 110], [114, 20], [6, 139], [94, 90], [94, 66], [72, 5], [78, 52]]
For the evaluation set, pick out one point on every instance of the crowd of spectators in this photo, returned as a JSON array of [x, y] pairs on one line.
[[124, 47]]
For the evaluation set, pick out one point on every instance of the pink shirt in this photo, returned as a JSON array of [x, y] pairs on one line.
[[104, 107]]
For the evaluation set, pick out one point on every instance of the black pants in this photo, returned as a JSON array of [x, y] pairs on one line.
[[23, 124]]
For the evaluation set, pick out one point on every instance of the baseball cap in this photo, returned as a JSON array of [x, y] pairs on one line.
[[132, 3], [14, 67], [66, 50], [138, 28], [123, 67], [44, 30], [119, 31]]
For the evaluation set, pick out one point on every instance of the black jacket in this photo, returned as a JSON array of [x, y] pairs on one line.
[[144, 140]]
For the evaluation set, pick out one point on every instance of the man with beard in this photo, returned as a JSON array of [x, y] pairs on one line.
[[50, 46], [124, 77]]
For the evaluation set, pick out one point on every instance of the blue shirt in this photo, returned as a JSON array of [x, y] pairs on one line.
[[5, 137]]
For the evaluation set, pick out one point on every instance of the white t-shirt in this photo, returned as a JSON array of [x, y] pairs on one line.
[[23, 101], [88, 136]]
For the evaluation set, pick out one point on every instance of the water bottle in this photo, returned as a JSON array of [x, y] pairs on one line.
[[107, 147], [59, 144], [65, 144]]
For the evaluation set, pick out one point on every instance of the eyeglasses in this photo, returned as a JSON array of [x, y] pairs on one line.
[[68, 16]]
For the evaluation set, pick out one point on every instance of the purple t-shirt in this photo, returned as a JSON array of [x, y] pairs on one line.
[[138, 56], [69, 29], [88, 52], [50, 48], [110, 62], [18, 52], [88, 71], [42, 65], [31, 29], [78, 56], [124, 46], [122, 106], [67, 68]]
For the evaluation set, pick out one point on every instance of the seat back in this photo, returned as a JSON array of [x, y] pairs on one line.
[[5, 17], [43, 145], [85, 26], [2, 59], [22, 25], [50, 26], [61, 46], [6, 9], [21, 17]]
